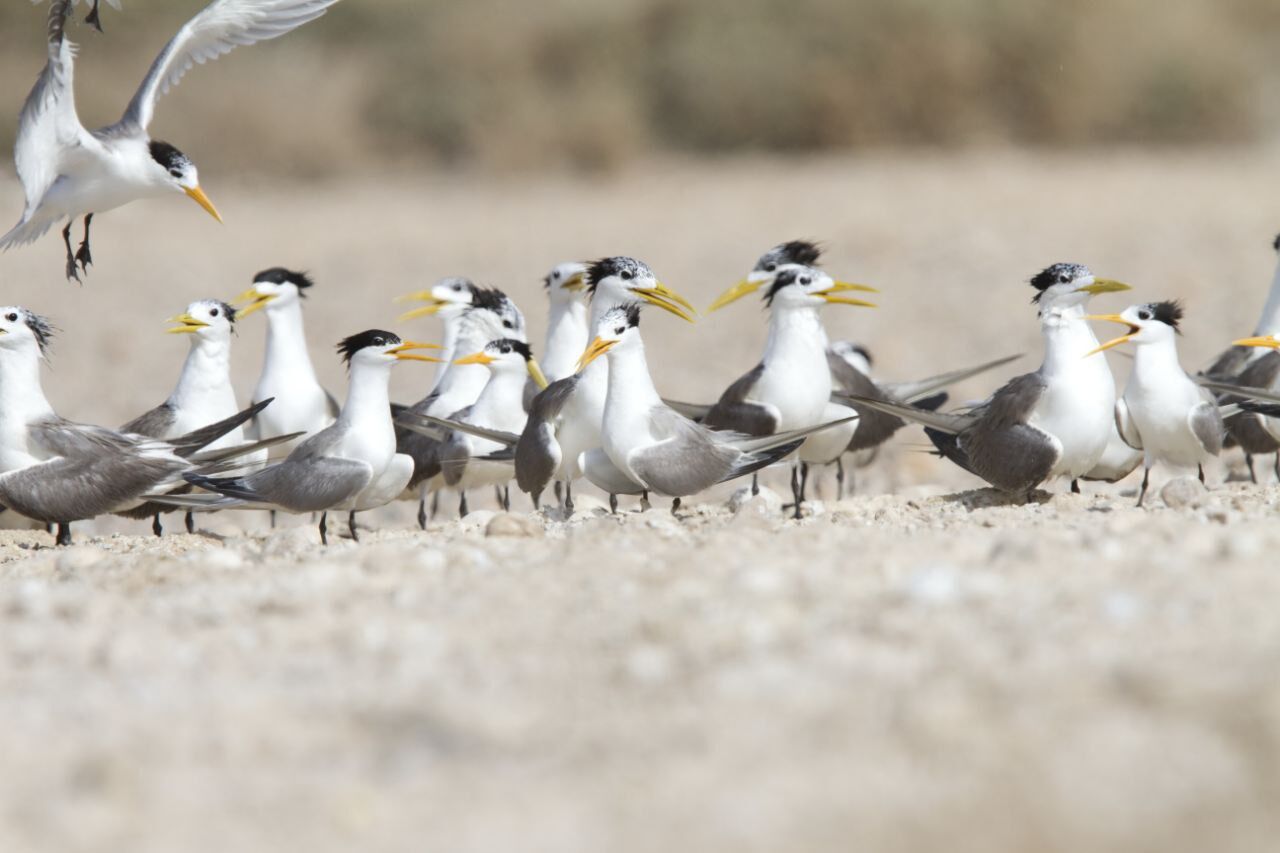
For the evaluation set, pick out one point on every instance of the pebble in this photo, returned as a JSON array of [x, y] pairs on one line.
[[510, 524], [767, 498], [1183, 492], [77, 558]]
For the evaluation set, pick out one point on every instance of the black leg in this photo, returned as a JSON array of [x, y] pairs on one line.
[[435, 505], [272, 513], [1146, 478], [644, 501], [755, 484], [795, 489], [1277, 468], [422, 513], [568, 496], [559, 487], [191, 522], [324, 528], [1200, 470], [1075, 487], [497, 495], [675, 506], [351, 525], [1253, 476], [156, 527], [72, 270], [613, 503], [64, 533], [506, 498], [462, 505], [537, 498], [82, 254], [804, 479], [840, 478]]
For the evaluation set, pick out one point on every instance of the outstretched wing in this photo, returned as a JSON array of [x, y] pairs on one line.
[[220, 27]]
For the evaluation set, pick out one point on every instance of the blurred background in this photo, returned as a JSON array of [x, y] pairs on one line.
[[590, 85]]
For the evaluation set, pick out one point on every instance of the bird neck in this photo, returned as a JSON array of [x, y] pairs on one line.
[[461, 384], [502, 396], [448, 348], [567, 335], [206, 372], [367, 394], [1154, 361], [1269, 322], [22, 397], [796, 332], [1067, 340], [631, 391], [287, 342]]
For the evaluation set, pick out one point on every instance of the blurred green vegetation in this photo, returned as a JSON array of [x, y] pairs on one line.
[[589, 84]]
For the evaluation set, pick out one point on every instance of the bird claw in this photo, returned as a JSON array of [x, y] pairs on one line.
[[83, 256], [73, 271]]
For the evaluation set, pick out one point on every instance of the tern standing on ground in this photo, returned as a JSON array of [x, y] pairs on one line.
[[68, 172]]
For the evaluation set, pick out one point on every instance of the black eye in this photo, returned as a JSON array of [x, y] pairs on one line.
[[619, 330], [177, 173], [377, 342], [625, 275], [555, 275], [11, 317], [804, 279], [506, 324], [1143, 315], [770, 267], [457, 287], [213, 313], [1062, 278]]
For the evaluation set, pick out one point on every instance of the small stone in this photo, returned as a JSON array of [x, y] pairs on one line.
[[510, 524], [1183, 492], [767, 499], [78, 558], [477, 519], [219, 559], [758, 513]]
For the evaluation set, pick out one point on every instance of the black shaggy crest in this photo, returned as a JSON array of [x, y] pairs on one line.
[[488, 297], [173, 160], [1168, 312], [347, 347], [40, 327], [280, 275], [506, 345], [804, 252], [619, 265], [1056, 274]]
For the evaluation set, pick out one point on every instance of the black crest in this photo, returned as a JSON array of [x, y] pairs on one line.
[[804, 252], [488, 297], [633, 315], [280, 275], [347, 347], [628, 314], [1168, 312], [40, 326], [1056, 274], [619, 265], [506, 345], [173, 160]]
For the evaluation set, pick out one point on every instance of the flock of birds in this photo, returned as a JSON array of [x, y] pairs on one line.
[[589, 408]]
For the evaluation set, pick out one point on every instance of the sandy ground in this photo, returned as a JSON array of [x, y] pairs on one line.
[[914, 668]]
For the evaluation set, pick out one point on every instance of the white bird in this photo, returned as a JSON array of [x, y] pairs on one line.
[[68, 171], [1164, 412], [448, 299], [652, 444], [463, 461], [351, 465], [1055, 422], [567, 331], [57, 471], [203, 395], [301, 404]]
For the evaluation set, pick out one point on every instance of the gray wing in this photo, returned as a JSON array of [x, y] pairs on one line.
[[913, 390], [455, 451], [538, 454], [423, 450], [687, 459], [875, 426], [1231, 363], [1206, 423], [303, 482], [734, 412], [157, 423], [218, 29], [1001, 447], [1246, 428]]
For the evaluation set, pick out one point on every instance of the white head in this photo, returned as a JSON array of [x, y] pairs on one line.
[[169, 167], [566, 283], [207, 321], [856, 355], [506, 357], [1069, 286], [621, 280], [449, 297], [376, 348], [23, 331], [784, 266], [491, 316], [617, 330], [1150, 323], [274, 289]]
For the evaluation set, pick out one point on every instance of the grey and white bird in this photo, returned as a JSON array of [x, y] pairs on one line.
[[203, 395], [567, 322], [1164, 412], [288, 377], [447, 299], [651, 443], [58, 471], [465, 458], [1055, 422], [68, 171], [351, 465]]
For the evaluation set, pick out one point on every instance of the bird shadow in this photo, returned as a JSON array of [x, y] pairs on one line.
[[988, 498]]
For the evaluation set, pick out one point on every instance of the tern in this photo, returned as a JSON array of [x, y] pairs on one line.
[[652, 444], [1254, 368], [202, 396], [1164, 412], [511, 366], [58, 471], [288, 377], [1055, 422], [567, 322], [447, 299], [351, 465], [68, 172], [791, 386]]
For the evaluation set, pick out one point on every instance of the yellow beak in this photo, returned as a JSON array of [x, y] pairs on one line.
[[402, 352], [539, 378], [434, 304], [203, 200], [1103, 285], [575, 282], [594, 350], [251, 300], [734, 293], [186, 324], [668, 300], [1112, 318], [831, 294], [476, 358], [1258, 341]]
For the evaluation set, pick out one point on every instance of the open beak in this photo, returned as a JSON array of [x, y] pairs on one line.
[[594, 350], [668, 300], [575, 282], [186, 323], [1103, 285], [203, 200], [475, 358], [1258, 341], [734, 293], [249, 301], [403, 353], [535, 373], [832, 294], [434, 304], [1112, 318]]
